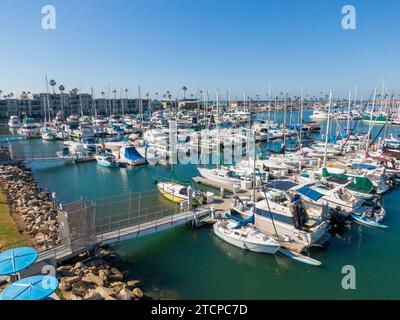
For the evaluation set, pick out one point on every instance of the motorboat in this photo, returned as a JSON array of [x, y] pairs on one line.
[[285, 217], [220, 175], [129, 155], [14, 122], [107, 160], [30, 128], [49, 134]]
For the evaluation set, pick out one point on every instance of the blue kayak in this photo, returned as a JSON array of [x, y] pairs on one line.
[[368, 221]]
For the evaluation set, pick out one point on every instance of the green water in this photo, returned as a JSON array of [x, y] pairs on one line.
[[193, 264]]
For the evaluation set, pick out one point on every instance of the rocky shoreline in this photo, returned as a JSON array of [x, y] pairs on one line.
[[91, 275]]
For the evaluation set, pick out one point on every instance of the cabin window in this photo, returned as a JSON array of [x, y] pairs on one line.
[[277, 217]]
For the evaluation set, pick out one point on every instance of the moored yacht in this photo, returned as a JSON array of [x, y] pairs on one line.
[[14, 122]]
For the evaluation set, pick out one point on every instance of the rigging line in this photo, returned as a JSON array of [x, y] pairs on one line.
[[269, 209]]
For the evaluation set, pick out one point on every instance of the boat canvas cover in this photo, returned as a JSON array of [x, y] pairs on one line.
[[283, 185], [132, 154], [240, 220], [363, 166], [358, 183], [310, 193]]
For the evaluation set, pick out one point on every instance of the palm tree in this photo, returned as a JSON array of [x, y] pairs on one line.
[[61, 88], [156, 96], [184, 89], [53, 84]]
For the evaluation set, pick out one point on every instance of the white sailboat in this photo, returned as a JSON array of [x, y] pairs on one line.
[[245, 237]]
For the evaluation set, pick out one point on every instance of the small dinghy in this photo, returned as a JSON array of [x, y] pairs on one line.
[[107, 160], [369, 222], [299, 257]]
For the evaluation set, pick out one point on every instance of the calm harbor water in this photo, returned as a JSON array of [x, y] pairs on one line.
[[186, 263]]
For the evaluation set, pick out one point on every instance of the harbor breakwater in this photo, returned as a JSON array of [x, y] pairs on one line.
[[90, 276]]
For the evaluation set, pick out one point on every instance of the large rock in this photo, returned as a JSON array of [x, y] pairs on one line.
[[125, 294], [93, 295], [72, 280], [137, 293], [132, 283], [106, 293], [65, 271], [91, 278], [115, 275]]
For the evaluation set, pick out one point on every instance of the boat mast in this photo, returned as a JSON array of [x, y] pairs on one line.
[[301, 116], [269, 104], [218, 133], [46, 100], [370, 123], [94, 102], [140, 109], [348, 113], [327, 127]]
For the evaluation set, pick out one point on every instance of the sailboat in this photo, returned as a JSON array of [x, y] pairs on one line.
[[244, 236]]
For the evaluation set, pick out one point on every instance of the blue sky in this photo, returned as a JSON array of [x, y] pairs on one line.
[[233, 45]]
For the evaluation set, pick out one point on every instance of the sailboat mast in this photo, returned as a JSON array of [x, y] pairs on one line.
[[140, 108], [370, 122], [348, 114], [301, 116], [269, 103], [218, 133], [46, 100], [327, 127]]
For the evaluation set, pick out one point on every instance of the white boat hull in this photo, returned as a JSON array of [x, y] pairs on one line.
[[245, 245]]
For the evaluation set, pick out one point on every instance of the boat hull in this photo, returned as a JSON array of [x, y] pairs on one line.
[[245, 245], [170, 196]]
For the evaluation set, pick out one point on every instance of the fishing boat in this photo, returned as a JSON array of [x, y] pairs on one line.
[[245, 237], [107, 160], [368, 221]]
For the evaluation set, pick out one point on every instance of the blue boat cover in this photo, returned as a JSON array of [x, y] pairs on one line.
[[310, 193], [15, 260], [132, 154], [32, 288], [363, 166], [240, 220], [283, 185]]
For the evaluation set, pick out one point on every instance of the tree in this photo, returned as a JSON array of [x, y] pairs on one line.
[[1, 92], [61, 88], [53, 84], [184, 89], [74, 92]]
